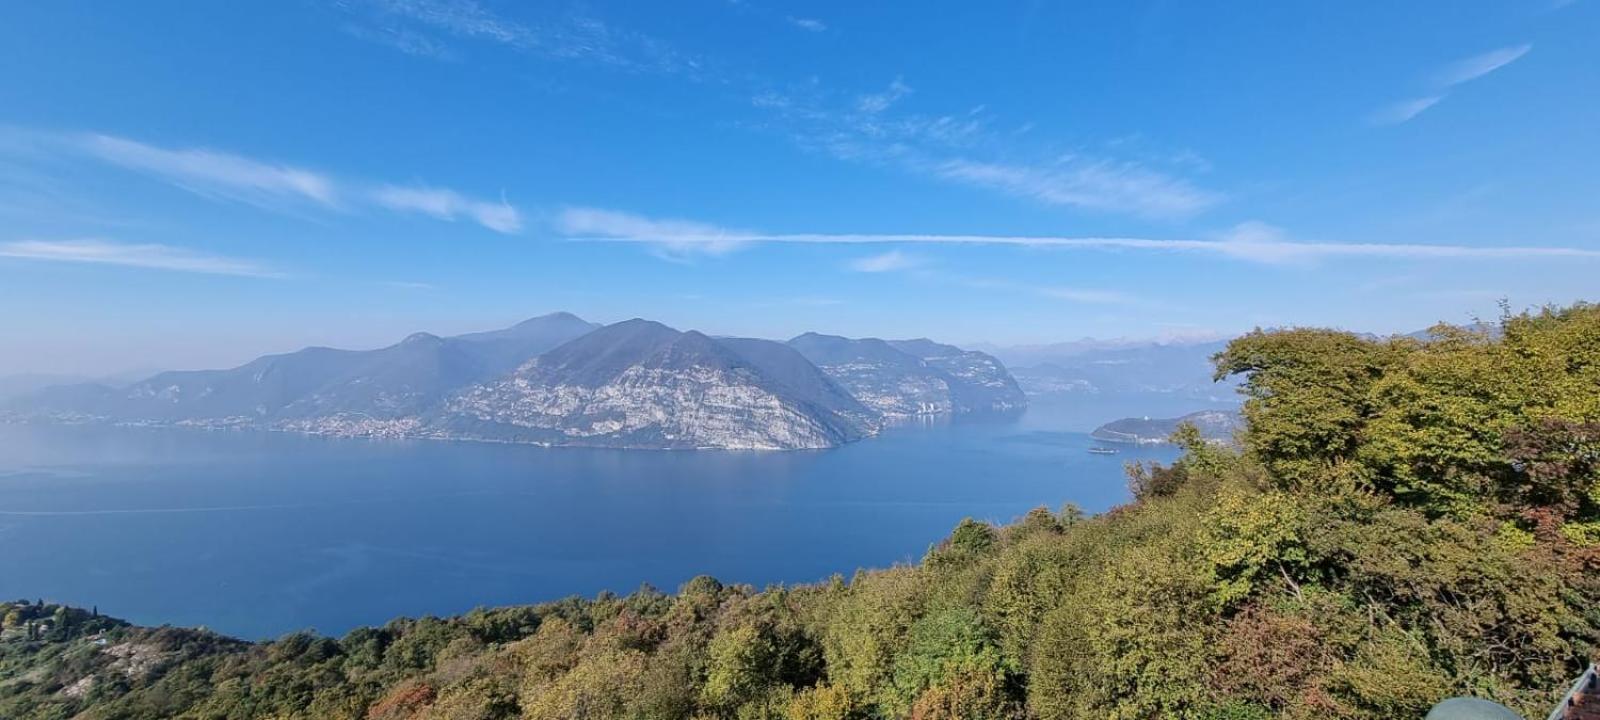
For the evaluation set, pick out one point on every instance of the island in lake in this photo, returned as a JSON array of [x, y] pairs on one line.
[[1216, 426]]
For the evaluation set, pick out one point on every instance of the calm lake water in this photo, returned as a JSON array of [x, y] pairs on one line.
[[257, 534]]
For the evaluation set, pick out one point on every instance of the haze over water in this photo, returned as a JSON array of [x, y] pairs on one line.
[[257, 534]]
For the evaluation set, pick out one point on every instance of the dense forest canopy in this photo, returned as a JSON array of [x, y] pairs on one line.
[[1405, 520]]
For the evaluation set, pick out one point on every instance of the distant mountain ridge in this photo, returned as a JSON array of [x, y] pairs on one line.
[[1172, 369], [905, 378], [381, 384], [1158, 369], [560, 380], [978, 382]]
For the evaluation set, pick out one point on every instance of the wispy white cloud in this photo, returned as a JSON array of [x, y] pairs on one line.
[[1099, 185], [961, 147], [214, 173], [677, 239], [407, 41], [892, 261], [465, 18], [449, 205], [271, 185], [1456, 73], [1478, 66], [1404, 110], [900, 261], [1087, 296], [807, 24], [150, 256], [420, 27], [879, 102], [1252, 242]]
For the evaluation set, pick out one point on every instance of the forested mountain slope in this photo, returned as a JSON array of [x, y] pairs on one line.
[[1407, 520]]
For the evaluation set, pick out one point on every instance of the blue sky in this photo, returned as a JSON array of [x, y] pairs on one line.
[[192, 184]]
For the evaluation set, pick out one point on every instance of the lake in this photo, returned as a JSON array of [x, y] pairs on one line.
[[257, 534]]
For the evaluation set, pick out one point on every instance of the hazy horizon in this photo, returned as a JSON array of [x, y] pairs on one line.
[[234, 356]]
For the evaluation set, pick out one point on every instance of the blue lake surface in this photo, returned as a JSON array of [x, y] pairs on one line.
[[257, 534]]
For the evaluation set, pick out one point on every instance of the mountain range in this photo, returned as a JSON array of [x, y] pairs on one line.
[[1159, 376], [560, 380], [1179, 369]]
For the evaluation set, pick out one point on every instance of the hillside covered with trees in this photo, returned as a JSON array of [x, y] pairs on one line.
[[1406, 520]]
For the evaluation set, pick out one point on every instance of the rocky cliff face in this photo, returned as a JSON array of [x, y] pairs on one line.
[[906, 378], [642, 384]]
